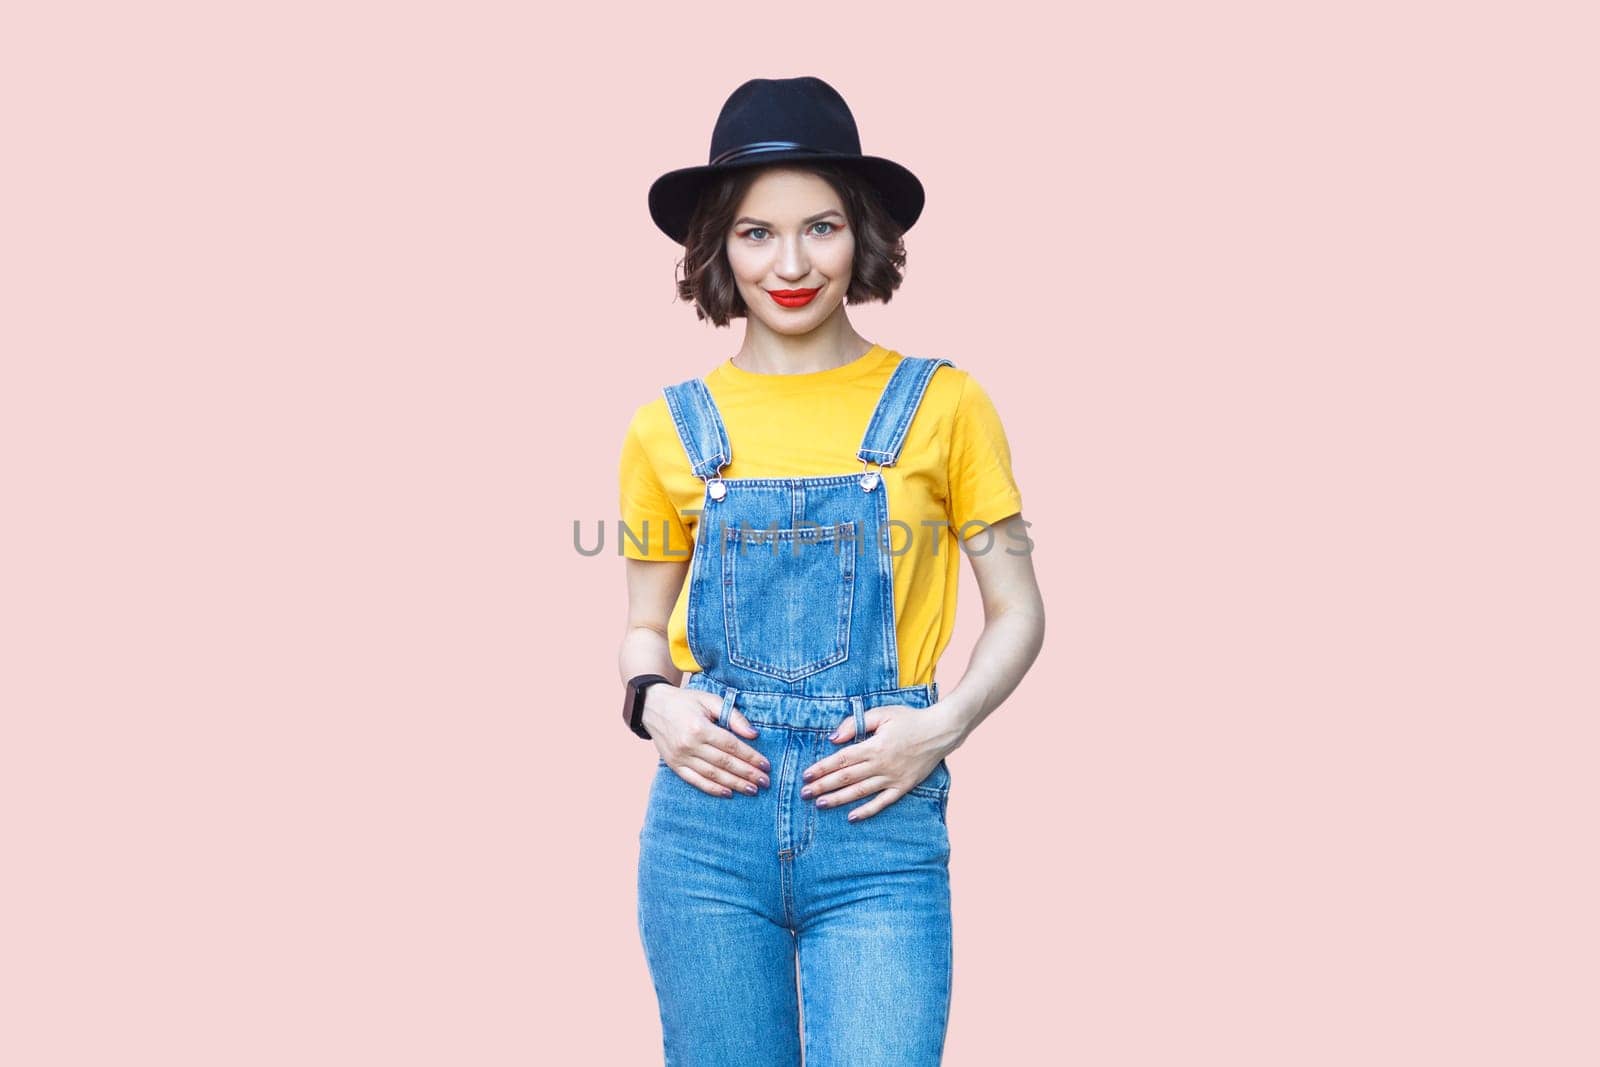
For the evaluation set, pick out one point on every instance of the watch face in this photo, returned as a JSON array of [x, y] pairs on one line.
[[629, 696]]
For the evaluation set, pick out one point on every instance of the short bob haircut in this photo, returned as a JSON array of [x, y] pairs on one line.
[[880, 254]]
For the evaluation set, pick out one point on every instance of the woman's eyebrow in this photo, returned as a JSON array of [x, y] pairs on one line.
[[806, 222]]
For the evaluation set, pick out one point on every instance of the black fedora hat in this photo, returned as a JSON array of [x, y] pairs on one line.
[[770, 120]]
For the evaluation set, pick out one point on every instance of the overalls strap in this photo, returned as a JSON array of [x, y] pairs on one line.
[[886, 432], [700, 427]]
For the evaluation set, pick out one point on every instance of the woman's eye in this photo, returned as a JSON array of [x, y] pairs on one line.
[[759, 233]]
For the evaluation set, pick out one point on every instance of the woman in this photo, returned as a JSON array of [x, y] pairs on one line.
[[793, 863]]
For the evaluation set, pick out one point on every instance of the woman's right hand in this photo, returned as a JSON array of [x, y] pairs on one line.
[[683, 724]]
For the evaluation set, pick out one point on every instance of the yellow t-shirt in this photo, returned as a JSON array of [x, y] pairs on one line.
[[955, 468]]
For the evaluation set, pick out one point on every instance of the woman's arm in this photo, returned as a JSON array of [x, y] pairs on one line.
[[653, 587], [1013, 632], [683, 722], [1013, 628]]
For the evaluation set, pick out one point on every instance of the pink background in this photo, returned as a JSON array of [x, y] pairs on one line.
[[321, 324]]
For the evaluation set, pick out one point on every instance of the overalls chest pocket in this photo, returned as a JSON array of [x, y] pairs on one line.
[[787, 595]]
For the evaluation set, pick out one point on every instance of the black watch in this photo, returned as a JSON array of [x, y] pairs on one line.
[[633, 702]]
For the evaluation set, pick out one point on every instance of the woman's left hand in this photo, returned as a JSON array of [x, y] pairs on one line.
[[906, 745]]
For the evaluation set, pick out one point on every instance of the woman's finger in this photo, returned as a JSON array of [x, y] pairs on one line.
[[725, 778], [700, 781], [875, 805], [733, 755], [843, 758], [854, 791], [741, 725], [846, 730], [856, 769]]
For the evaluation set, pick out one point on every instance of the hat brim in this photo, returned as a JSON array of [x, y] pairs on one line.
[[674, 195]]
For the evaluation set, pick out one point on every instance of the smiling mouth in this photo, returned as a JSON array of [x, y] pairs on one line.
[[793, 298]]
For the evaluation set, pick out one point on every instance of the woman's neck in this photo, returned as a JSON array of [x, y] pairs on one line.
[[767, 352]]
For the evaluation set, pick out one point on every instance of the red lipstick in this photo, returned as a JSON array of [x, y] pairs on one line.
[[793, 298]]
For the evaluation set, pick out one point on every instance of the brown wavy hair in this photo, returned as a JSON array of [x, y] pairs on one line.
[[707, 281]]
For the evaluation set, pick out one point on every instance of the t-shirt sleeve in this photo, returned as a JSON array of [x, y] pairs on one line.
[[645, 509], [982, 488]]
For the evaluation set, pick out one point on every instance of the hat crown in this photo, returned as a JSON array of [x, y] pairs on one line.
[[770, 121], [783, 114]]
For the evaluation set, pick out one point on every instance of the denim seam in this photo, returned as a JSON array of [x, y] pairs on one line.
[[691, 625], [913, 401], [884, 410], [686, 436], [886, 598], [691, 447], [693, 410], [787, 483], [809, 824], [901, 400], [702, 680], [712, 418]]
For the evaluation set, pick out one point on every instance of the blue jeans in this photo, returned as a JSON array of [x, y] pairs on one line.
[[733, 891]]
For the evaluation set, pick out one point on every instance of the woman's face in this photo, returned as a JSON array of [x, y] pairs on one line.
[[790, 233]]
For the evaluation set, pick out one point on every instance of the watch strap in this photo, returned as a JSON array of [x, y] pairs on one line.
[[633, 706]]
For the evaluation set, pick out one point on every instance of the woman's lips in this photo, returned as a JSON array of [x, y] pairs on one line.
[[793, 298]]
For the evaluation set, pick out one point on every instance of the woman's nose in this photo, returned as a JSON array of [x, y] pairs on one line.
[[792, 260]]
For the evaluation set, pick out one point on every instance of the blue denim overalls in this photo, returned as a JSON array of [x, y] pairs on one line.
[[791, 617]]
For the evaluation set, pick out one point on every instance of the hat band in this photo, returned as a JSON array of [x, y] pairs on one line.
[[761, 148]]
